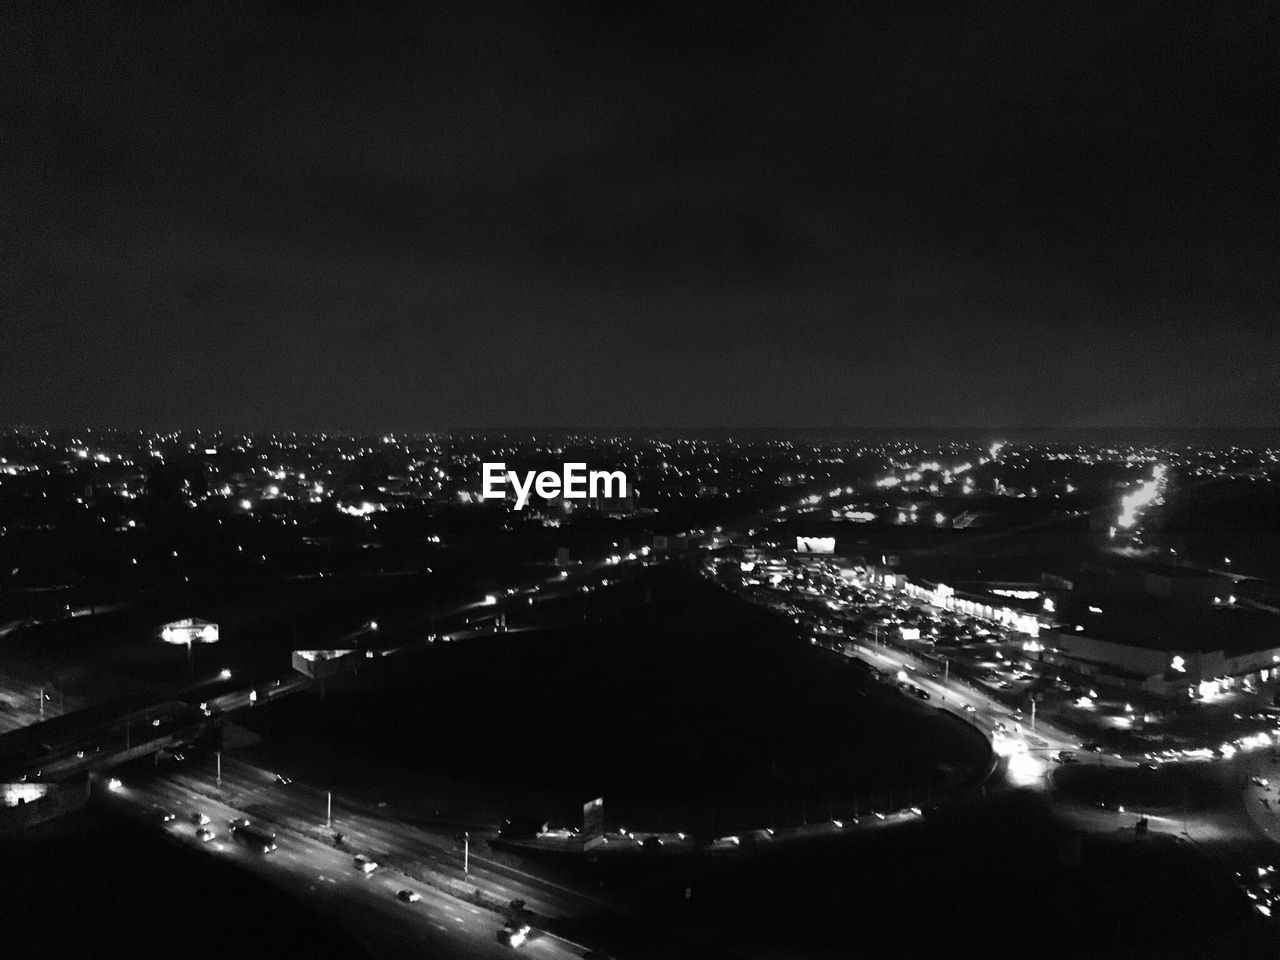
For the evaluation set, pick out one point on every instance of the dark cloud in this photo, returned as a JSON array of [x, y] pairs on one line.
[[328, 215]]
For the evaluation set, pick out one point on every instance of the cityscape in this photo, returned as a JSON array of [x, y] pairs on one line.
[[331, 665], [626, 482]]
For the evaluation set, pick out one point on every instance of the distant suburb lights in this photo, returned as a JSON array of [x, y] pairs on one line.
[[573, 482]]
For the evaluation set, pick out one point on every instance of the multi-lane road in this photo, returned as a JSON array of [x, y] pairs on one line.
[[307, 862]]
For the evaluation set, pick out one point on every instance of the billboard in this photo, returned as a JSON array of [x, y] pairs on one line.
[[816, 545], [318, 664], [188, 631]]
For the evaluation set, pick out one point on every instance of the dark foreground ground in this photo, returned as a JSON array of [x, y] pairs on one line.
[[998, 880], [995, 880], [102, 887]]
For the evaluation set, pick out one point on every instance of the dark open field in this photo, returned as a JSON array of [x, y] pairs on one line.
[[685, 708]]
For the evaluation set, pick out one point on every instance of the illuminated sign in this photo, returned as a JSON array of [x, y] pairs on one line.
[[318, 664], [190, 630], [910, 633], [15, 794], [815, 545]]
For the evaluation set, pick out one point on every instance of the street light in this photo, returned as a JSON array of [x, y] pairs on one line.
[[225, 674]]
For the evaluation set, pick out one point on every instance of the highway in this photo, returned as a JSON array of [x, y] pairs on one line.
[[325, 877], [435, 857]]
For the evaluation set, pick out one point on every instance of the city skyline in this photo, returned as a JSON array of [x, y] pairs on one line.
[[652, 481]]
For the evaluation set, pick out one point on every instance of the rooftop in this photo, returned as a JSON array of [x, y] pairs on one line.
[[1149, 622]]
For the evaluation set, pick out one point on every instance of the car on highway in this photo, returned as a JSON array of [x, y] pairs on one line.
[[970, 708], [204, 834], [364, 864], [282, 780], [408, 896], [258, 838], [167, 816], [514, 933], [198, 818], [1260, 782]]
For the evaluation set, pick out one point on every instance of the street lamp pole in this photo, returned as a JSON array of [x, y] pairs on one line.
[[466, 853], [328, 808]]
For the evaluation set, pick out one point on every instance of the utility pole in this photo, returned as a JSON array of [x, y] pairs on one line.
[[466, 853], [1033, 714], [42, 704], [219, 755], [328, 808]]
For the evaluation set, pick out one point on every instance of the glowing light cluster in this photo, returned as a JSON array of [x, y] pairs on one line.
[[1148, 493]]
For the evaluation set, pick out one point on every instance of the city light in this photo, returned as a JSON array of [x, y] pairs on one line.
[[1147, 493]]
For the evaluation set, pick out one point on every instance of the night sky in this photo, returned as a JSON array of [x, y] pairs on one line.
[[306, 216]]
